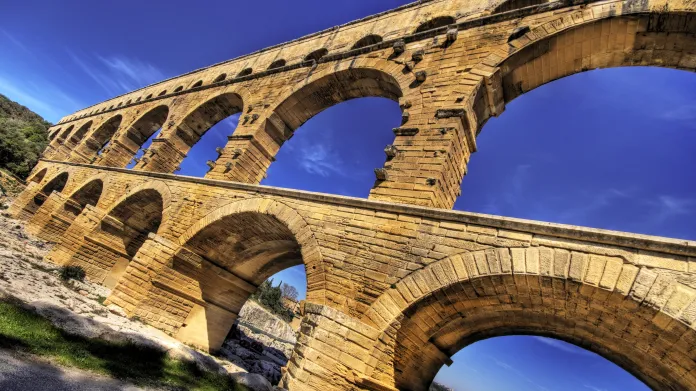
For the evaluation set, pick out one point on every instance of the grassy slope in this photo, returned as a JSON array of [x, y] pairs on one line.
[[27, 332]]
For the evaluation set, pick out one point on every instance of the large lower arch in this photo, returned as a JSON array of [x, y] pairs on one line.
[[126, 145], [53, 220], [88, 151], [206, 276], [638, 318]]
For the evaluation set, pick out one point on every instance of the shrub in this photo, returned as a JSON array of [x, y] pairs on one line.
[[271, 297], [72, 273]]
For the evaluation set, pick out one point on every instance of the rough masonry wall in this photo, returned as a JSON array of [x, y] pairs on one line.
[[380, 265], [393, 290]]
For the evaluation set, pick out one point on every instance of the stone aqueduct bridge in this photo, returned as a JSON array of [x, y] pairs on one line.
[[396, 283]]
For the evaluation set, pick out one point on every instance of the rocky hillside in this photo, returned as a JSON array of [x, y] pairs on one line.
[[260, 342], [23, 136]]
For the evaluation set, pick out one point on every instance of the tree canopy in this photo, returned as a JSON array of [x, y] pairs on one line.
[[23, 137], [271, 297]]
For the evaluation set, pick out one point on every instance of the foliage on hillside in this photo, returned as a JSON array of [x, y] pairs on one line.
[[271, 297], [23, 136]]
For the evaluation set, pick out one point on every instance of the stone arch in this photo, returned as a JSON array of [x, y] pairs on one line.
[[53, 134], [437, 22], [94, 144], [331, 89], [55, 219], [63, 135], [637, 317], [316, 55], [367, 40], [245, 72], [638, 38], [57, 183], [109, 246], [277, 64], [39, 176], [283, 214], [79, 134], [197, 84], [248, 155], [130, 140], [208, 273], [201, 118]]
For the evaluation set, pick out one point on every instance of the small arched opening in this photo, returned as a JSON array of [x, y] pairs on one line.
[[220, 77], [39, 176], [369, 40], [197, 84], [316, 55], [245, 72], [440, 21], [277, 64]]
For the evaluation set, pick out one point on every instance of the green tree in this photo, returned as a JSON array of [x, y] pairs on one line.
[[271, 297], [23, 137]]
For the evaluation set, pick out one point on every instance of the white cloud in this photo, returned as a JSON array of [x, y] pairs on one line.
[[684, 112], [596, 202], [320, 159], [519, 373], [667, 206], [118, 74], [17, 42], [593, 388], [563, 346]]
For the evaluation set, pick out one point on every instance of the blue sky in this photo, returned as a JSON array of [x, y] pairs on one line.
[[607, 149]]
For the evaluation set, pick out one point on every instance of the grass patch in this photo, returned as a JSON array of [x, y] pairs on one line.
[[22, 330]]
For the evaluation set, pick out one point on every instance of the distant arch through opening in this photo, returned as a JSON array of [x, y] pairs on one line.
[[62, 216], [95, 144], [132, 140], [110, 247]]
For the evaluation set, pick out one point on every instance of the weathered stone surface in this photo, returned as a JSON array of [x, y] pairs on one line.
[[394, 286]]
